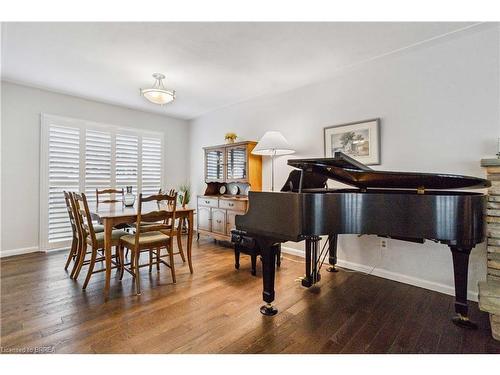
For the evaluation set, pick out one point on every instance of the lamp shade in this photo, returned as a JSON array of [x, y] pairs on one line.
[[273, 143]]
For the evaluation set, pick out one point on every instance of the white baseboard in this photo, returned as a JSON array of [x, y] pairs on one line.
[[24, 250], [380, 272]]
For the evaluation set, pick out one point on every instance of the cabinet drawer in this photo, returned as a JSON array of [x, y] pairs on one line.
[[218, 221], [233, 205], [208, 202]]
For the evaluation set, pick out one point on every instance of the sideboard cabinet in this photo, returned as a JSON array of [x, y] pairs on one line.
[[231, 170], [216, 215]]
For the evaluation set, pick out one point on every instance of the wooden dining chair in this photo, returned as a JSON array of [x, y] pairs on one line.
[[95, 240], [111, 194], [73, 251], [177, 228], [152, 237]]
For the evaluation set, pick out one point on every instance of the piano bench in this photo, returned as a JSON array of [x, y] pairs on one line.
[[253, 251]]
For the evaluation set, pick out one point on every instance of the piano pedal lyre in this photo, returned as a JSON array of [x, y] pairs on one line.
[[463, 321]]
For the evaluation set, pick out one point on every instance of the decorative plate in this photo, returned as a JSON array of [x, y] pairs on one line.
[[222, 189], [246, 189], [233, 189]]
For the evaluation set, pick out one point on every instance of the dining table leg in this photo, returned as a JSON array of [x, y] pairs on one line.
[[190, 219], [108, 229]]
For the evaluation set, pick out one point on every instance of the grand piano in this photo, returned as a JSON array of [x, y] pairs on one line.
[[406, 206]]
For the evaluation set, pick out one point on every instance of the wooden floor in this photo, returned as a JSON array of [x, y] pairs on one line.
[[216, 310]]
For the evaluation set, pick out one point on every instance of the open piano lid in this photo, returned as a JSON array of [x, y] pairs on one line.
[[351, 172]]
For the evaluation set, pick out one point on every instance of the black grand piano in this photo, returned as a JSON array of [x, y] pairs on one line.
[[401, 205]]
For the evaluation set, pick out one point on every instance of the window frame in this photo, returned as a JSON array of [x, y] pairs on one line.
[[45, 121]]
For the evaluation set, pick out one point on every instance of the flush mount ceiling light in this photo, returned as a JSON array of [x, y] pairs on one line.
[[158, 94]]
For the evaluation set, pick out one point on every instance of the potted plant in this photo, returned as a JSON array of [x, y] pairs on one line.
[[230, 137], [184, 194]]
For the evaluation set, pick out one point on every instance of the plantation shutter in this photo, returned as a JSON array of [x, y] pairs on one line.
[[80, 156], [151, 165], [97, 162], [64, 173], [127, 160]]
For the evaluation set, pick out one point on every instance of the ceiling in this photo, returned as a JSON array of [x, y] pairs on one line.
[[210, 65]]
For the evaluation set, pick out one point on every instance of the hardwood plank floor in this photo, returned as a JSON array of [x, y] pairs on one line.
[[215, 310]]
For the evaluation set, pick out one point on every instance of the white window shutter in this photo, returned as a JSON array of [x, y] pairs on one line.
[[97, 162], [151, 165], [63, 170], [127, 159]]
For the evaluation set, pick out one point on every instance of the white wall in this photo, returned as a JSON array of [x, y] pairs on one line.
[[439, 110], [21, 108]]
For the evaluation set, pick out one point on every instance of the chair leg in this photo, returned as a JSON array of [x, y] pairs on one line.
[[171, 258], [150, 260], [158, 257], [122, 261], [253, 258], [91, 267], [72, 252], [81, 258], [236, 258], [78, 254], [136, 254], [117, 257]]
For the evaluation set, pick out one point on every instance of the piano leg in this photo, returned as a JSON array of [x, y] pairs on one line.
[[460, 271], [253, 259], [332, 252], [268, 254]]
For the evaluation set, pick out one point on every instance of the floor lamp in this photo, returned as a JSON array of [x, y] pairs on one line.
[[273, 144]]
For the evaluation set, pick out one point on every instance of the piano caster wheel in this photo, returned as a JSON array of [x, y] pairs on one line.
[[463, 322], [268, 310], [332, 269]]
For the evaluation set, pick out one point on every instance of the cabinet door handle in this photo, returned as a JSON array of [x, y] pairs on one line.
[[231, 204], [219, 221], [207, 202]]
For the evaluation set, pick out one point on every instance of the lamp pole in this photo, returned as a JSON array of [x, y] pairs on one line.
[[272, 169]]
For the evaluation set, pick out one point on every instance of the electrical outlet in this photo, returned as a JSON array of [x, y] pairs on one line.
[[383, 243]]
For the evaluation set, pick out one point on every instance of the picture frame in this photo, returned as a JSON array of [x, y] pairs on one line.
[[359, 140]]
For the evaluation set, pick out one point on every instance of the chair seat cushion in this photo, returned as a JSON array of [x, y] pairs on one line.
[[98, 228], [147, 238], [115, 235]]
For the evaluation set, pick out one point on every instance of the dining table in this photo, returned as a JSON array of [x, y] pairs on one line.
[[114, 214]]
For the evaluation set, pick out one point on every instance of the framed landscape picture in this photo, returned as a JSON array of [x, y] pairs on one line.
[[359, 140]]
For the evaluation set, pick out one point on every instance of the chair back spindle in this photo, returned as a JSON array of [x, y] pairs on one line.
[[112, 195], [67, 200], [85, 217]]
